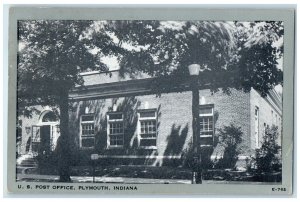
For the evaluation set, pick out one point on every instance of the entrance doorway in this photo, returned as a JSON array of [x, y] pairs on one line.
[[45, 134], [45, 140]]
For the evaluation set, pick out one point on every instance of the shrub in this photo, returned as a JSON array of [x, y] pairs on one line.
[[229, 137], [267, 158], [187, 157]]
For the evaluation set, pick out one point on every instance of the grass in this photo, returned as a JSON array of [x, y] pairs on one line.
[[140, 172], [123, 171], [134, 172], [151, 172]]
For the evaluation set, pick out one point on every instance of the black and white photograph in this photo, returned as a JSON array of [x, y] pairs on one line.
[[137, 101], [149, 101]]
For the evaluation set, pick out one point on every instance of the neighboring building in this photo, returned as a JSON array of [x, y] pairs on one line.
[[124, 122]]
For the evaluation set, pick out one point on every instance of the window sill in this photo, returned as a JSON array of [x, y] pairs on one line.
[[148, 148], [115, 147], [206, 145], [86, 148]]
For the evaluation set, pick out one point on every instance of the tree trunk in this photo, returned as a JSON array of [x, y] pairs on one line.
[[63, 145]]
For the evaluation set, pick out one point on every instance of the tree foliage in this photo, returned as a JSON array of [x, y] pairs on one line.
[[267, 157], [230, 138], [53, 54], [232, 55], [257, 56], [169, 47]]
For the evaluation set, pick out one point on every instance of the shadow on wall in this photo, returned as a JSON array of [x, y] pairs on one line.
[[78, 108], [175, 144], [187, 154], [129, 106], [175, 147], [176, 140], [101, 133]]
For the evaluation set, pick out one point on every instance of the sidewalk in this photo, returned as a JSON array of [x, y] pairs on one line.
[[126, 180], [88, 179]]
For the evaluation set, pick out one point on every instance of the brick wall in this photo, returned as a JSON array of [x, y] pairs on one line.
[[231, 109], [174, 120], [173, 123]]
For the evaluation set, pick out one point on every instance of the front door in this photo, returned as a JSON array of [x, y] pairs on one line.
[[45, 140]]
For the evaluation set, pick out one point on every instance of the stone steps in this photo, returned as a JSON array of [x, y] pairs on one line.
[[28, 162]]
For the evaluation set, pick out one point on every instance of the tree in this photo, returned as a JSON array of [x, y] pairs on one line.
[[54, 54], [257, 56], [232, 55]]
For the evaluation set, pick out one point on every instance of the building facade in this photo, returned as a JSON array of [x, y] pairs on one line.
[[124, 122]]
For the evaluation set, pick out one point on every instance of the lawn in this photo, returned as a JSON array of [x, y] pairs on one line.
[[152, 172], [136, 172], [123, 171]]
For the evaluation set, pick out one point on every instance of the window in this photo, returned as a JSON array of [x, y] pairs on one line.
[[87, 137], [36, 138], [147, 128], [265, 128], [256, 126], [115, 130], [50, 117], [272, 116], [19, 131], [206, 118]]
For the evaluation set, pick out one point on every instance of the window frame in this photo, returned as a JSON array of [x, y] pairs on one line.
[[256, 127], [81, 137], [109, 146], [207, 115], [139, 127]]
